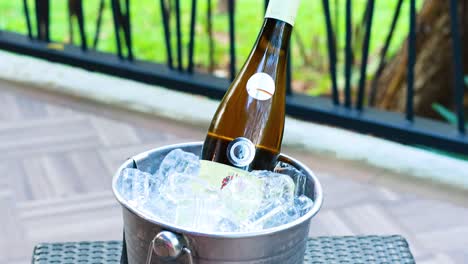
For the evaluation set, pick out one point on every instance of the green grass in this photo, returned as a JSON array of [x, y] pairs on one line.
[[148, 36]]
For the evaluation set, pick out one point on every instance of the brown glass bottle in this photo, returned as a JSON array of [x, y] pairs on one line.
[[247, 129]]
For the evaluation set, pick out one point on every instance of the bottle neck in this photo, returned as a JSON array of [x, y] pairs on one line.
[[276, 33], [272, 47]]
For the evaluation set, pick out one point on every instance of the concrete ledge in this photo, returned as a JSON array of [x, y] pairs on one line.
[[198, 111]]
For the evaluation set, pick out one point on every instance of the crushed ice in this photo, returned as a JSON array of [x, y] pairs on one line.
[[175, 194]]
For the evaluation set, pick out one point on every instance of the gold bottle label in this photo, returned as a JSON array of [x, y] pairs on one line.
[[219, 175]]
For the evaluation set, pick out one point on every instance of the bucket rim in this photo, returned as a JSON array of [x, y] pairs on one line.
[[318, 193]]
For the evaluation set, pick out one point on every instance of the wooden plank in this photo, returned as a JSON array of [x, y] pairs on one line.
[[445, 239], [37, 179], [10, 110], [48, 144], [12, 235], [91, 170], [62, 175], [30, 109], [428, 215], [13, 177], [73, 220], [114, 133], [329, 223]]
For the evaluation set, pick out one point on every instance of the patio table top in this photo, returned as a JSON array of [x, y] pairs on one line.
[[330, 249]]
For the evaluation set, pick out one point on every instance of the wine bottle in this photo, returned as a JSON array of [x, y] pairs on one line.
[[247, 129]]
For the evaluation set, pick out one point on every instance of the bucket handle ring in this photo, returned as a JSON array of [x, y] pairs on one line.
[[167, 246]]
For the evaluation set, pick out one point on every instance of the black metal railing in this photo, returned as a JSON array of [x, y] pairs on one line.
[[352, 113]]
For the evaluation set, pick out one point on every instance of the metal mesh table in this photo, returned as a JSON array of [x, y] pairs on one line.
[[326, 250]]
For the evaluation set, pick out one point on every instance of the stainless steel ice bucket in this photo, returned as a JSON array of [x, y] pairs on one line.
[[150, 241]]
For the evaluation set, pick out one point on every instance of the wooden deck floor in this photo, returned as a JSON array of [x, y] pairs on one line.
[[57, 156]]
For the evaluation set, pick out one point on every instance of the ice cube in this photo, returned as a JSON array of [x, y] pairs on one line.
[[227, 225], [303, 204], [160, 208], [276, 186], [178, 161], [142, 192], [136, 186], [209, 212], [300, 179], [242, 196], [178, 187], [285, 214], [264, 212], [125, 183], [185, 213], [182, 187], [202, 213], [271, 215], [177, 195]]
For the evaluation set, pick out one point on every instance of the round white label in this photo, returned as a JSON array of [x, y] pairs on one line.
[[261, 86], [241, 152]]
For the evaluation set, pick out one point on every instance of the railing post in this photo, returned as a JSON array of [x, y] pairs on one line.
[[116, 18], [331, 51], [383, 54], [42, 20], [75, 9], [411, 62], [348, 54], [98, 24], [167, 32], [122, 22], [179, 35], [457, 48], [128, 29], [192, 35], [365, 53], [28, 18], [209, 29]]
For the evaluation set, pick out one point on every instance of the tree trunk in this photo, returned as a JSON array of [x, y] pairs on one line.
[[433, 71]]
